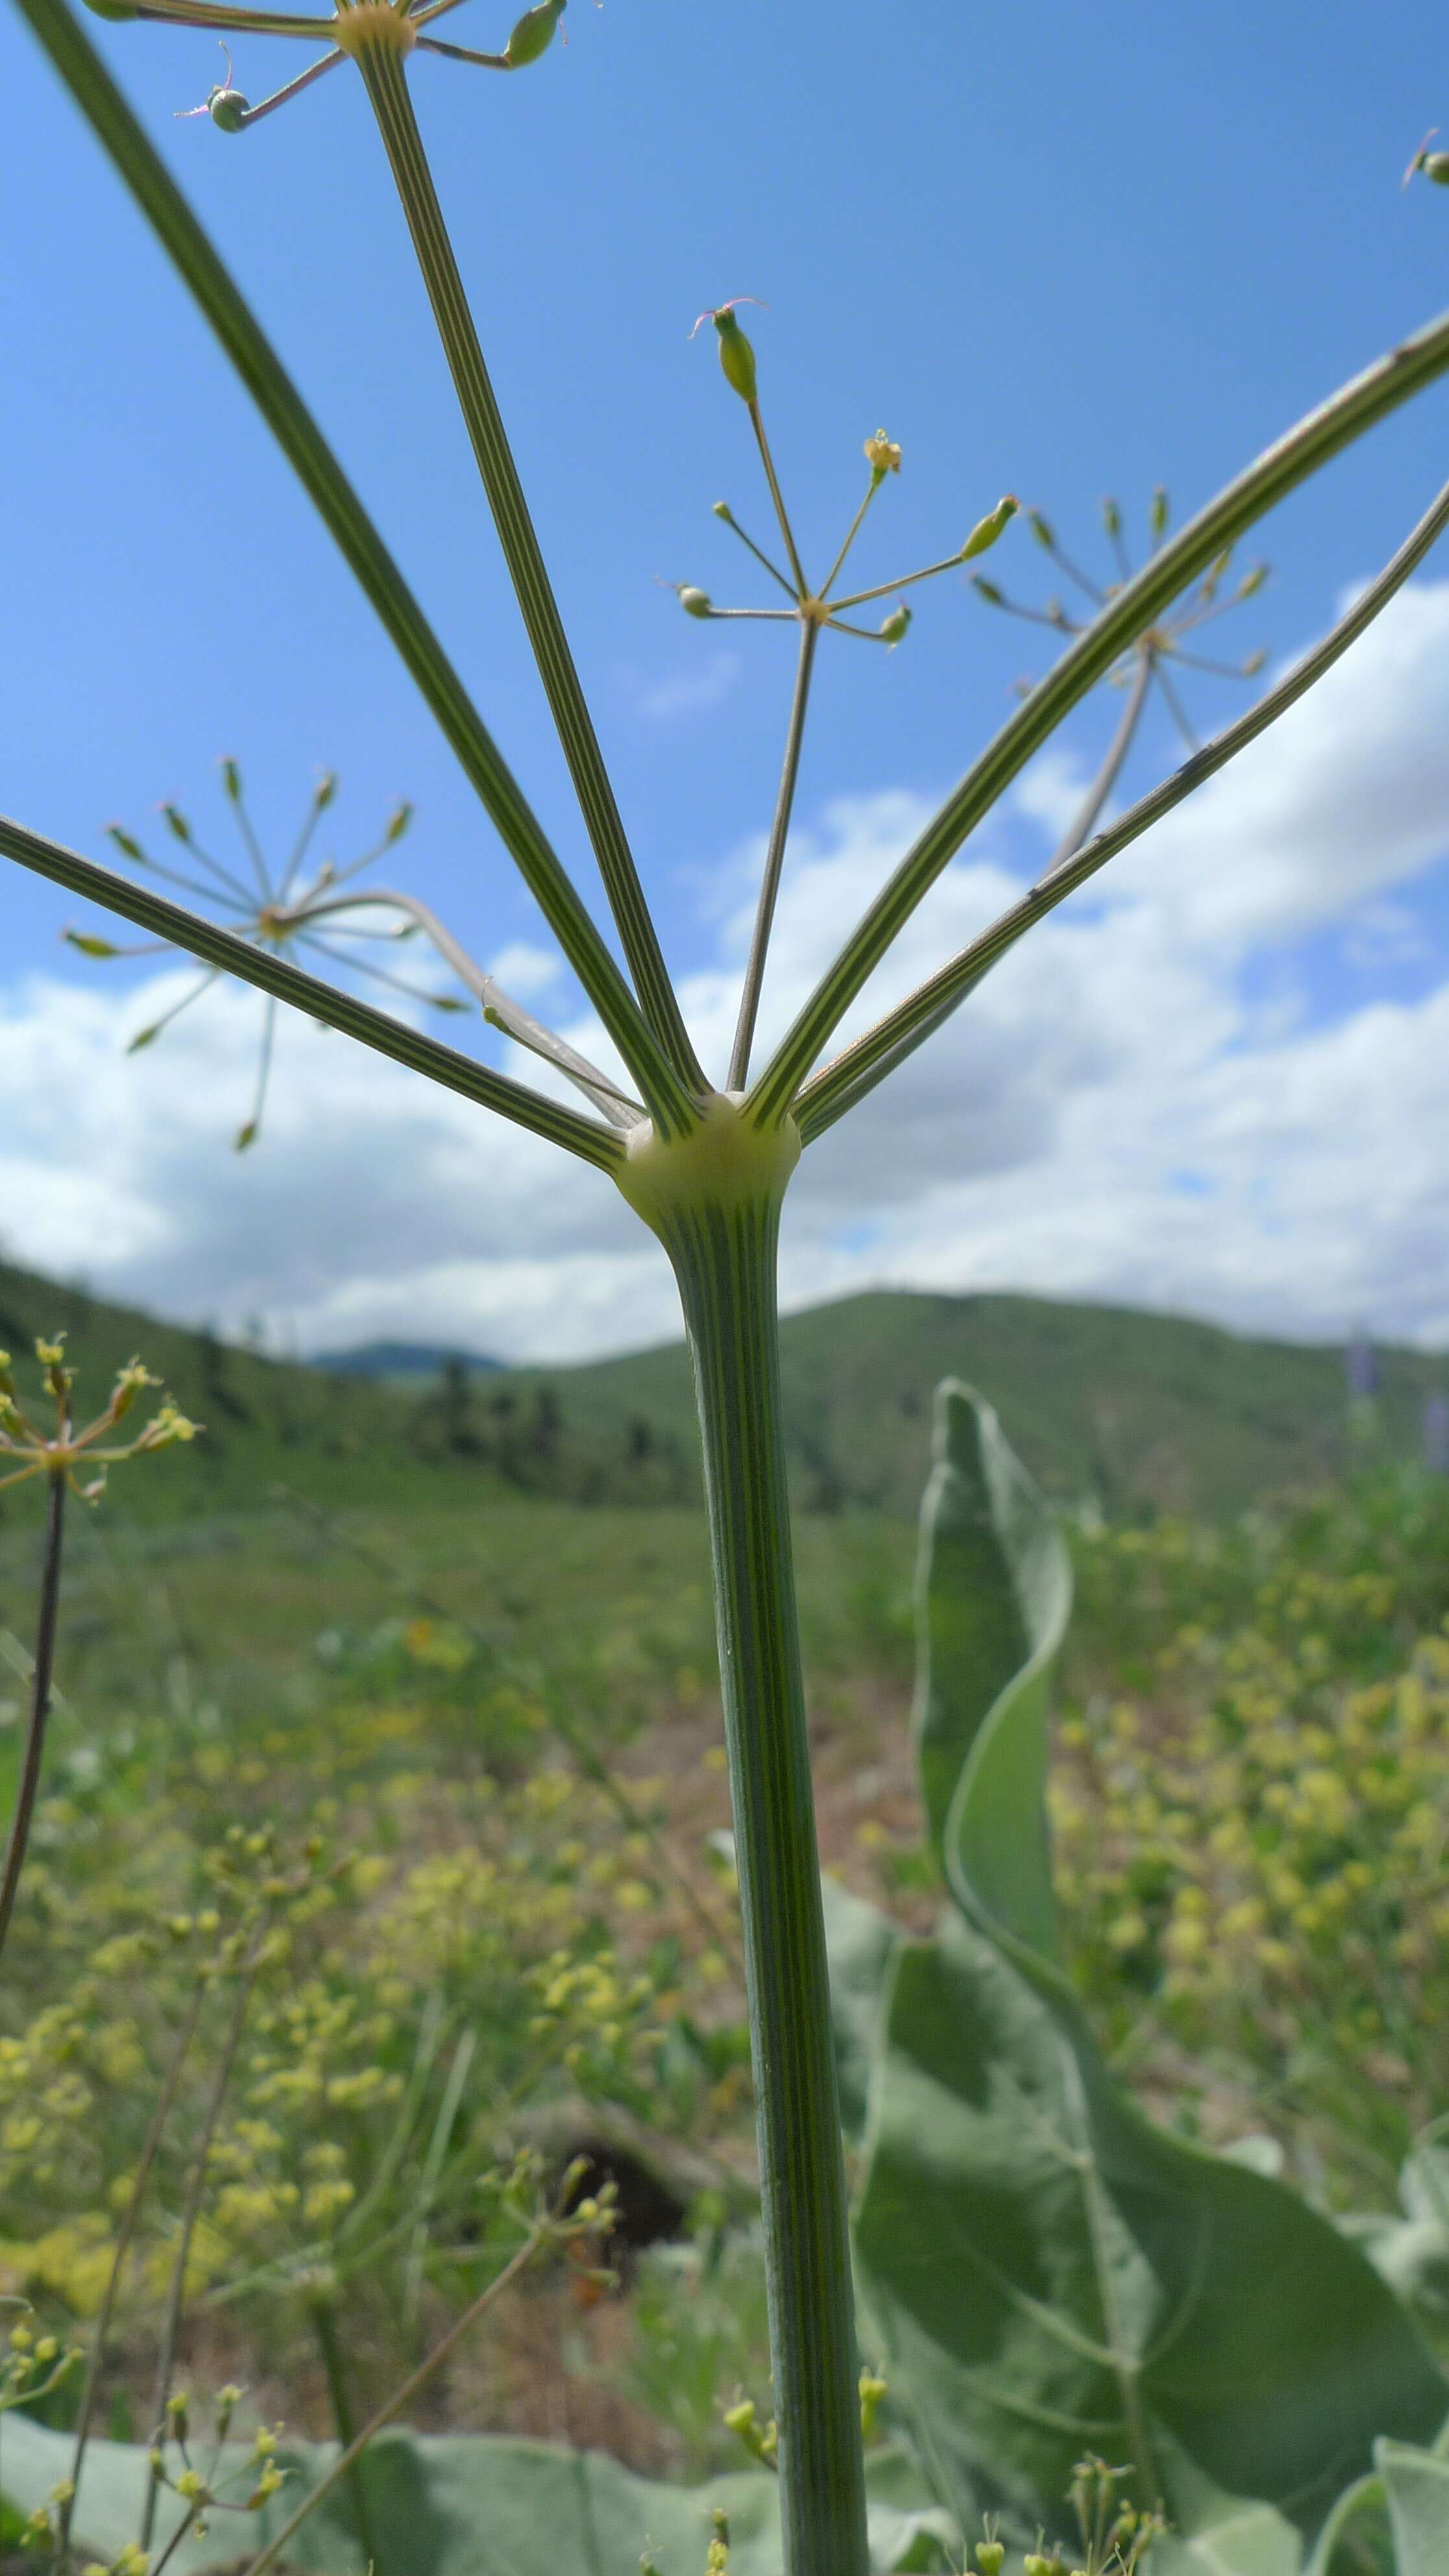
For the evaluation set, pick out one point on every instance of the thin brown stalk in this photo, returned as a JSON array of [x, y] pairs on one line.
[[40, 1694], [343, 2466], [191, 2211], [130, 2219]]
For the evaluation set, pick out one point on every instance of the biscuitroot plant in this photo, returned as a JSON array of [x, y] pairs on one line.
[[58, 1453], [706, 1168]]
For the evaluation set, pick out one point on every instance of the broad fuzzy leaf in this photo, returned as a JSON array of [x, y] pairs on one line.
[[993, 1594], [467, 2506], [1417, 2486], [1045, 2271]]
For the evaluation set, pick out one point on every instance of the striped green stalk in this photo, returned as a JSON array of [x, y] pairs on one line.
[[378, 41], [714, 1202]]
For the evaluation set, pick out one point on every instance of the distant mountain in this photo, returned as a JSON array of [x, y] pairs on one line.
[[1140, 1412], [406, 1360]]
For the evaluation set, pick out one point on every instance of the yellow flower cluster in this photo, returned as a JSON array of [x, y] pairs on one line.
[[426, 1946], [1251, 1856]]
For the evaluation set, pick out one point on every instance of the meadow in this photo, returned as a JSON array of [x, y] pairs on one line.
[[390, 1843]]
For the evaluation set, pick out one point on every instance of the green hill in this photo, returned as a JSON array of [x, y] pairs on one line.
[[1138, 1411]]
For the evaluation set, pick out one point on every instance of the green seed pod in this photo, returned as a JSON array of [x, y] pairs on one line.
[[228, 110], [990, 2557], [230, 774], [397, 822], [533, 34], [735, 355], [987, 530], [1253, 665], [1252, 581], [1041, 529], [1111, 518], [988, 591], [894, 626], [177, 824], [1157, 515], [723, 511], [88, 946], [695, 603], [128, 848]]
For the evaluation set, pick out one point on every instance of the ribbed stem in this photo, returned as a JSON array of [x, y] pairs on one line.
[[382, 69], [722, 1242]]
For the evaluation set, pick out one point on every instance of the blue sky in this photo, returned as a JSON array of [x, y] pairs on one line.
[[1056, 250]]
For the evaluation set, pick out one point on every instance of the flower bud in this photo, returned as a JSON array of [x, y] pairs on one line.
[[893, 627], [228, 110], [533, 34], [987, 530], [723, 511], [872, 2390], [1433, 165], [735, 355], [695, 603]]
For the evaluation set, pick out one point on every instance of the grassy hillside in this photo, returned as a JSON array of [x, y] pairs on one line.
[[267, 1422], [1139, 1411]]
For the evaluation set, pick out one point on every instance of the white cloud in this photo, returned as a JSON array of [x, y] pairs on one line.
[[1120, 1112], [685, 692]]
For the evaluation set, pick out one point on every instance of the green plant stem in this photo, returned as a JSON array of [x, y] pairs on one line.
[[860, 1066], [849, 538], [792, 552], [739, 1072], [322, 478], [499, 1008], [1312, 441], [325, 2326], [338, 1010], [41, 1677], [135, 2200], [401, 2396], [1107, 776], [190, 2213], [722, 1243], [382, 70], [885, 589]]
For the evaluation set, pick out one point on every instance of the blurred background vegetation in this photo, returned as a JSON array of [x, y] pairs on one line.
[[385, 1803]]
